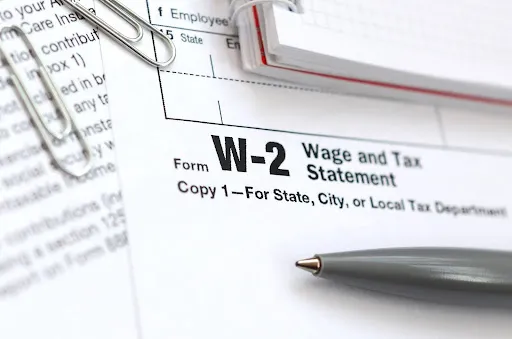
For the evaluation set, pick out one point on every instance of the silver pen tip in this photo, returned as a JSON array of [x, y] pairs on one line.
[[312, 265]]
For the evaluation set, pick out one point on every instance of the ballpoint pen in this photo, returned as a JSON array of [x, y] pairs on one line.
[[460, 276]]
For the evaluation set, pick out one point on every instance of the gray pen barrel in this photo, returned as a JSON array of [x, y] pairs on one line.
[[442, 275]]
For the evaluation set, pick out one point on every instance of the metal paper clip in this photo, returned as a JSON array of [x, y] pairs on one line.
[[43, 129], [123, 11]]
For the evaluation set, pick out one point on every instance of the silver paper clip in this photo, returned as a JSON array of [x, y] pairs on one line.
[[43, 129], [135, 20]]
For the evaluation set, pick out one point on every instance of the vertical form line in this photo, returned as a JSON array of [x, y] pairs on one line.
[[220, 112], [156, 58], [213, 68], [159, 76], [152, 35], [162, 94], [441, 125], [149, 12]]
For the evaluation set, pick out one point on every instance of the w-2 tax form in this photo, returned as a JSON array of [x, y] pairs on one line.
[[229, 178]]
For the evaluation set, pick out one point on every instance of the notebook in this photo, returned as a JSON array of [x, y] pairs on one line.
[[423, 51]]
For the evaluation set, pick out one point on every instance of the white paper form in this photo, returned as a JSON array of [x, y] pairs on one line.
[[64, 269], [229, 178]]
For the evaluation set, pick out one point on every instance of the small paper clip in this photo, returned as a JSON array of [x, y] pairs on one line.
[[135, 20], [43, 129], [236, 6]]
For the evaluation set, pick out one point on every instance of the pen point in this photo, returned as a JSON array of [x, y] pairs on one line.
[[311, 265]]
